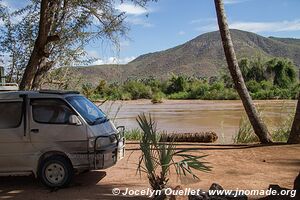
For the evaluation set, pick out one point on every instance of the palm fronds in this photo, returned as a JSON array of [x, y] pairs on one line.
[[158, 158]]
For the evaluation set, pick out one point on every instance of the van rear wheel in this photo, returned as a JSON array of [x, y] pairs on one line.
[[56, 171]]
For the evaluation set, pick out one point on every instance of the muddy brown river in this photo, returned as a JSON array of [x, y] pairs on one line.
[[179, 116]]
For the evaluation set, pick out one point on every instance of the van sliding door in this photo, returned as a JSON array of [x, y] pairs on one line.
[[14, 145]]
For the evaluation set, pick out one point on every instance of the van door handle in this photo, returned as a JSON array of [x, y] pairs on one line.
[[34, 130]]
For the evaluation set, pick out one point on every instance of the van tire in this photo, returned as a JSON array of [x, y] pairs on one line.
[[56, 172]]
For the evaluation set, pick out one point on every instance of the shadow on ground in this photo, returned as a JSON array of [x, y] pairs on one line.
[[84, 186]]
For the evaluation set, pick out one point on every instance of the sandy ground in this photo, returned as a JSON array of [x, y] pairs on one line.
[[242, 167]]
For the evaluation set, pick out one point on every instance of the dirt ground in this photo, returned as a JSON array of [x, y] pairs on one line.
[[242, 167]]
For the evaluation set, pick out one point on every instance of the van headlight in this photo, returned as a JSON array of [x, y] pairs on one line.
[[91, 143], [103, 142]]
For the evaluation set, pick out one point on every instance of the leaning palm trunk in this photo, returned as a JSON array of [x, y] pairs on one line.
[[294, 137], [259, 127]]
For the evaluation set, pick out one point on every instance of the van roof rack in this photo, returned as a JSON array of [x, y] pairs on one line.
[[58, 92], [4, 87]]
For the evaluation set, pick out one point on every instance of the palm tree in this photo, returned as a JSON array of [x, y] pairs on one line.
[[259, 127], [294, 137], [159, 158]]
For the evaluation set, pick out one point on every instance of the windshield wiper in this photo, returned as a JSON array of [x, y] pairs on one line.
[[100, 119]]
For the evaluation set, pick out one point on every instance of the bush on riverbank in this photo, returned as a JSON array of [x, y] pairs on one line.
[[281, 132], [133, 134], [270, 79]]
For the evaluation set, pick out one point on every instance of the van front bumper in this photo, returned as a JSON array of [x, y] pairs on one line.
[[109, 155]]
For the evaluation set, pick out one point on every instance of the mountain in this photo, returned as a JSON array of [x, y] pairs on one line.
[[201, 56]]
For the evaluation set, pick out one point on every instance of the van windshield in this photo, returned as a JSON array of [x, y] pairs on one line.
[[88, 110]]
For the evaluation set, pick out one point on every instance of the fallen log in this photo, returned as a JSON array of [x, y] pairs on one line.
[[203, 137]]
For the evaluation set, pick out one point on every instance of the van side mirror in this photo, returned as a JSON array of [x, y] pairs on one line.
[[73, 120]]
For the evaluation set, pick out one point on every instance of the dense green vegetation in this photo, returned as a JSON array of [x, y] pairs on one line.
[[266, 79]]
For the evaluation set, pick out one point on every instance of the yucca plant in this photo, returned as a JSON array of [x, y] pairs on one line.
[[158, 158]]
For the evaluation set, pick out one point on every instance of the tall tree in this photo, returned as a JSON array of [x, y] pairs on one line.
[[294, 137], [40, 53], [49, 33], [259, 127]]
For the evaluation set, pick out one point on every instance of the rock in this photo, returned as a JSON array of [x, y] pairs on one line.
[[297, 183], [199, 197], [276, 197], [297, 186], [217, 187], [178, 197]]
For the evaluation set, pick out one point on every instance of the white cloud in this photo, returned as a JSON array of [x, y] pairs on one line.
[[127, 59], [267, 26], [181, 33], [124, 44], [108, 60], [113, 60], [257, 27], [11, 8], [98, 62], [93, 54], [132, 9], [7, 4], [139, 21], [203, 20], [234, 1], [134, 14]]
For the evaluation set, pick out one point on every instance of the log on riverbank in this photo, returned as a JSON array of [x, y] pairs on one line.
[[203, 137]]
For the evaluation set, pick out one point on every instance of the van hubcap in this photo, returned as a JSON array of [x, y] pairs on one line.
[[55, 173]]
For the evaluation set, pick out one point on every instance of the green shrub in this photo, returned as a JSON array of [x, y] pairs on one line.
[[280, 134], [179, 95], [177, 84], [95, 97], [253, 86], [133, 134], [198, 89], [101, 87], [295, 89], [217, 86], [87, 90], [137, 89], [157, 98], [245, 133], [230, 94], [126, 96], [263, 94], [113, 93], [266, 85]]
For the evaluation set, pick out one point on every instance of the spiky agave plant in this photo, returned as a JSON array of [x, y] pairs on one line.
[[158, 157]]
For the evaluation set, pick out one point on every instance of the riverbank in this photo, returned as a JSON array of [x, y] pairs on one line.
[[243, 167]]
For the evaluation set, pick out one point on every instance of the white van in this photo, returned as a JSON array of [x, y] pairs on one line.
[[54, 134]]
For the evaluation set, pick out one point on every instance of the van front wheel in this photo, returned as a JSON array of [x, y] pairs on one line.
[[56, 171]]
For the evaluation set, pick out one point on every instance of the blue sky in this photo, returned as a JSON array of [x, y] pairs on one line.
[[167, 23], [173, 22]]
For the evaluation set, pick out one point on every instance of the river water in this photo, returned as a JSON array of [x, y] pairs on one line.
[[222, 117]]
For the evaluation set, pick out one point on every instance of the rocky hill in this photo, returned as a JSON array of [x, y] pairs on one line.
[[201, 56]]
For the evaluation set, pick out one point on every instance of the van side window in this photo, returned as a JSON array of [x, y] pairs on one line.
[[10, 114], [50, 111]]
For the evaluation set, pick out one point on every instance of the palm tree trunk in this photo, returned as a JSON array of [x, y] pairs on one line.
[[294, 137], [259, 127]]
